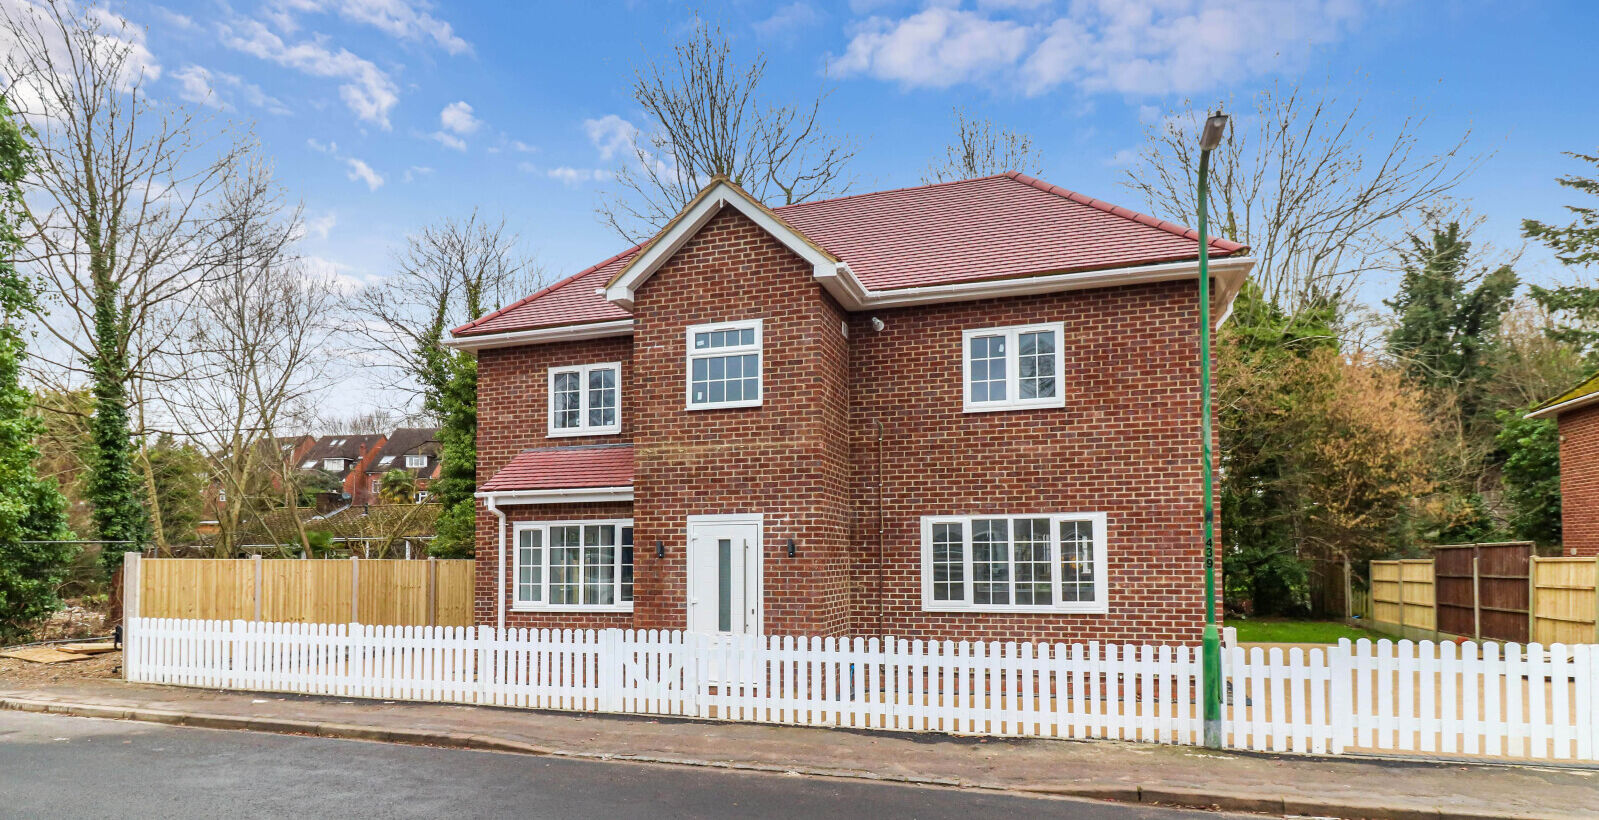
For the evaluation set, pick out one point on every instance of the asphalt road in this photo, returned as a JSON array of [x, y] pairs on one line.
[[54, 766]]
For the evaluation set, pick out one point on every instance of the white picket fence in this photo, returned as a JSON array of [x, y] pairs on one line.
[[1519, 702]]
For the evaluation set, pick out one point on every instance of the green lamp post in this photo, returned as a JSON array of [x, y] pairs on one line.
[[1215, 129]]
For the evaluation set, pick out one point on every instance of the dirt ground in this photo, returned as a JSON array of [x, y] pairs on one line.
[[24, 673]]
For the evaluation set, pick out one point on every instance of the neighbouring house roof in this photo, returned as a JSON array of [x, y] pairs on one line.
[[350, 448], [1000, 227], [564, 468], [408, 441], [1582, 395]]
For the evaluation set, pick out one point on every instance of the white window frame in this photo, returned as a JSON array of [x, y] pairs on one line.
[[1100, 605], [690, 355], [415, 462], [583, 428], [543, 605], [1013, 400]]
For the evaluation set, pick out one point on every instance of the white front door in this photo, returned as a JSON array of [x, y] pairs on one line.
[[724, 574]]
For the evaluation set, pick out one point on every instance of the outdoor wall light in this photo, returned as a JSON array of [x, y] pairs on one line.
[[791, 548], [660, 550], [877, 324]]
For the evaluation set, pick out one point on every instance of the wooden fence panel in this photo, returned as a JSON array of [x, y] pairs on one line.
[[380, 592], [454, 592], [306, 591], [393, 592], [1420, 602], [1502, 584], [1455, 579], [203, 588], [1565, 601], [1384, 592]]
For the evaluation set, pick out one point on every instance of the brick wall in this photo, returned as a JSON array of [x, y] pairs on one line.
[[513, 403], [1126, 445], [786, 459], [1579, 480]]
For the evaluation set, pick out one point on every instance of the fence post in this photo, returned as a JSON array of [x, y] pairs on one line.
[[355, 590], [255, 564], [1476, 597], [1399, 581], [132, 579], [1532, 598], [433, 588], [610, 663], [1349, 592]]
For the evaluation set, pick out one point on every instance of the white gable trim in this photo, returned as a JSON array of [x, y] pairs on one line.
[[562, 333], [720, 195]]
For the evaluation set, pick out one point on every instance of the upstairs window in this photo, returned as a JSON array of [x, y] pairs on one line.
[[1012, 368], [1016, 563], [416, 462], [724, 365], [584, 401], [333, 464]]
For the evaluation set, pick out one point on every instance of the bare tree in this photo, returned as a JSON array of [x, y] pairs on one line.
[[253, 348], [116, 221], [1306, 182], [707, 118], [449, 273], [982, 148]]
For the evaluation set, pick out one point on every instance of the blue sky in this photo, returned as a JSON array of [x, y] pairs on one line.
[[384, 115]]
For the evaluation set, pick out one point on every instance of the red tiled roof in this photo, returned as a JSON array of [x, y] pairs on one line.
[[571, 301], [998, 227], [565, 468]]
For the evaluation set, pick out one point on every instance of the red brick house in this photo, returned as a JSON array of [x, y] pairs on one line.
[[1577, 413], [413, 449], [346, 458], [965, 410]]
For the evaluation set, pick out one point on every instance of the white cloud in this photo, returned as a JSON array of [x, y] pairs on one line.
[[416, 172], [448, 140], [787, 20], [321, 226], [397, 18], [1154, 47], [611, 134], [361, 172], [457, 117], [520, 146], [199, 84], [367, 90], [935, 47], [329, 147], [573, 177], [1123, 158]]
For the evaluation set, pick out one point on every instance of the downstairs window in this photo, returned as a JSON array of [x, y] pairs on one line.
[[573, 565], [1019, 563]]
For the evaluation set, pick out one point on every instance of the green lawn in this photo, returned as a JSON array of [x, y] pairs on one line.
[[1277, 630]]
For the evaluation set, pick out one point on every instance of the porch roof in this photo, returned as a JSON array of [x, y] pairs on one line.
[[565, 468]]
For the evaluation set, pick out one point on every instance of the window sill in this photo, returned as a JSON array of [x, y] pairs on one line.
[[570, 608], [584, 431], [726, 405], [1075, 609], [994, 407]]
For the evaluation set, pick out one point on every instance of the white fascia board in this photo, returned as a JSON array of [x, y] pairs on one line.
[[567, 333], [1556, 409], [575, 495], [1230, 275], [723, 195]]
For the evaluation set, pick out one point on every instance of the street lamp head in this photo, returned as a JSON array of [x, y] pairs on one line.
[[1215, 129]]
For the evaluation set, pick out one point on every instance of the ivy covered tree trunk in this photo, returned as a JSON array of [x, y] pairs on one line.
[[113, 484], [32, 509], [456, 406]]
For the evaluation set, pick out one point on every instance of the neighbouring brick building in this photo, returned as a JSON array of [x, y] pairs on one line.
[[412, 449], [1577, 413], [965, 410]]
